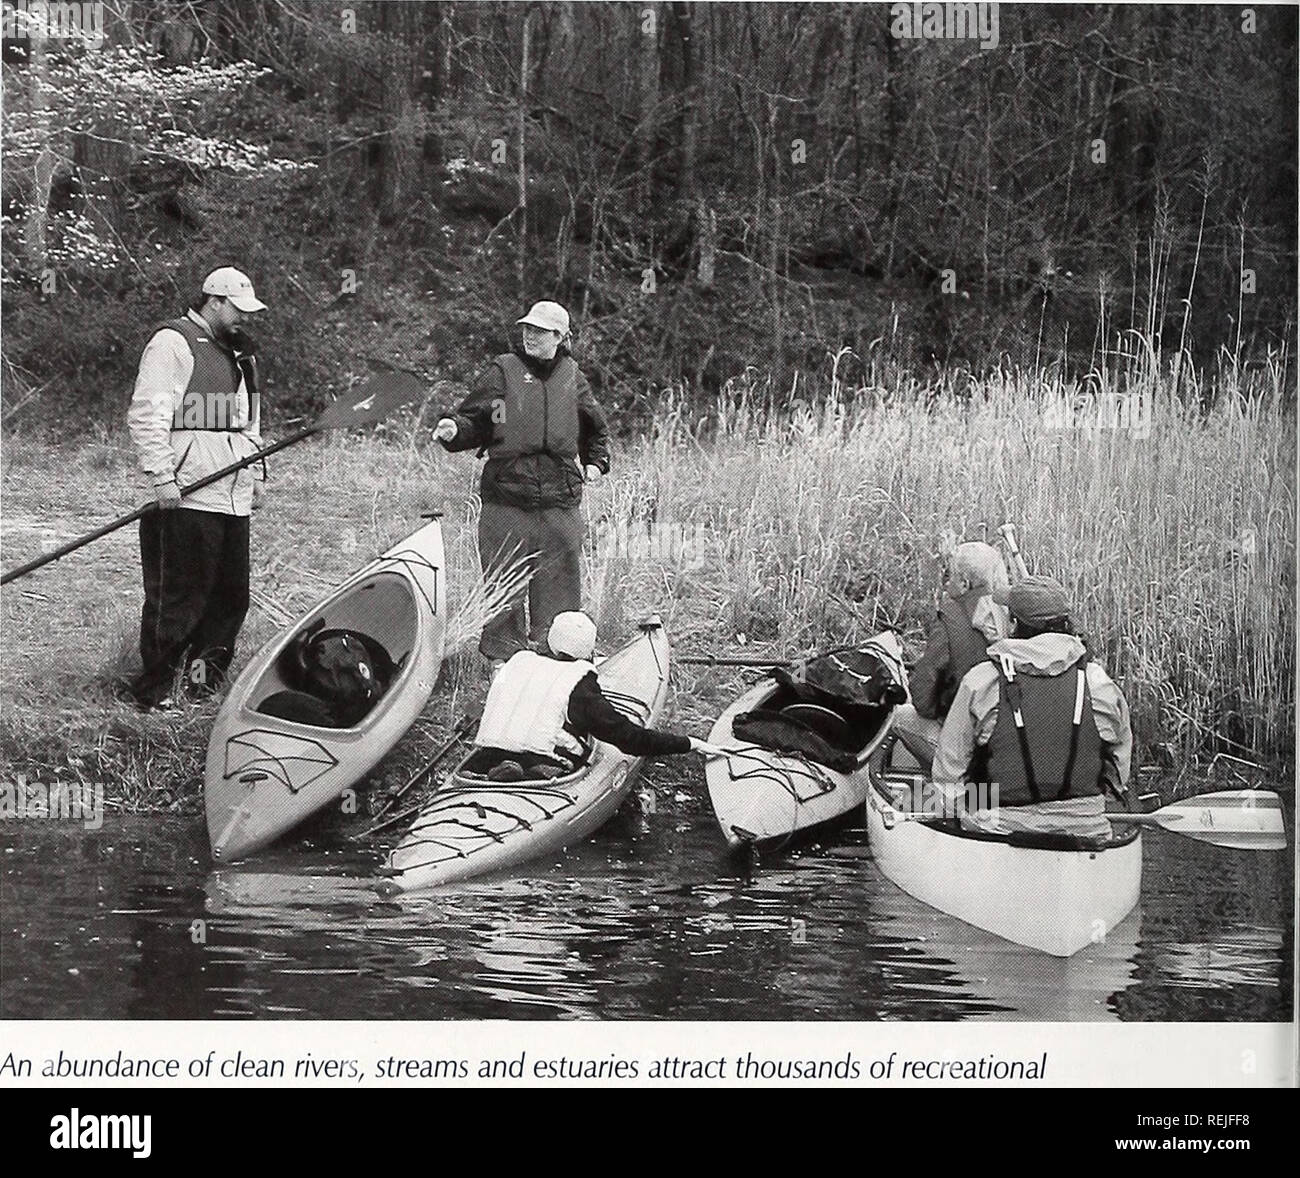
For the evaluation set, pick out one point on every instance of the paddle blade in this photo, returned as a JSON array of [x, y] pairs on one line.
[[1248, 819], [374, 400]]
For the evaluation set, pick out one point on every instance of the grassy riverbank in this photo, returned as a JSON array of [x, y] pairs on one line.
[[1172, 524]]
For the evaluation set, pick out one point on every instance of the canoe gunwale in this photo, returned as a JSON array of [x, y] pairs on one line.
[[1020, 840]]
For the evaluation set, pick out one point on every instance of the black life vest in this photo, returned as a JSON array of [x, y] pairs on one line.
[[211, 399], [1045, 745], [967, 647], [540, 416], [347, 670]]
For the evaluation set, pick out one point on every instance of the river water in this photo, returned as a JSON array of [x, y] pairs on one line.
[[648, 919]]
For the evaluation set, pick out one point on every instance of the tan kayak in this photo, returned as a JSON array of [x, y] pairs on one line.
[[265, 773]]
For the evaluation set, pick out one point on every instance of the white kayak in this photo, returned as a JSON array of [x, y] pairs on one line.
[[764, 798], [1047, 892], [472, 825], [265, 773]]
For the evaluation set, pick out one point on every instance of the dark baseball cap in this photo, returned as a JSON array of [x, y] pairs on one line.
[[1035, 599]]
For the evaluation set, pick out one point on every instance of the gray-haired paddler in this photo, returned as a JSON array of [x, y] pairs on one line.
[[967, 621]]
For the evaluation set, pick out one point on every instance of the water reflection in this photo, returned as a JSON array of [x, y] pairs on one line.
[[1241, 957], [648, 920]]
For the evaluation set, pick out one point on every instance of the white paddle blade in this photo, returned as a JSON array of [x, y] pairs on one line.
[[1250, 819]]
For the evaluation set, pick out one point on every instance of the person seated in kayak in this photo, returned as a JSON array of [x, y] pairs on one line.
[[967, 621], [1041, 721], [540, 708]]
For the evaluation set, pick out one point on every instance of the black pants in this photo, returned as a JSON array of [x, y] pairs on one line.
[[551, 537], [195, 597]]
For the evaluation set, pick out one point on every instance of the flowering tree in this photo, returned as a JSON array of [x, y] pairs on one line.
[[125, 104]]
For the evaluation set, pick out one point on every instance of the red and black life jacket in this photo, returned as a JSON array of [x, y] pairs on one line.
[[1045, 746]]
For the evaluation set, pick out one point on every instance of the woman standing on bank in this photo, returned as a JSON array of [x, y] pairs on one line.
[[535, 417]]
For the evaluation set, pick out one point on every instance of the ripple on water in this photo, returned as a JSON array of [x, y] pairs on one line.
[[649, 920]]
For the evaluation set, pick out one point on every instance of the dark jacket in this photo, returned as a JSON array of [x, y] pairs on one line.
[[952, 648], [539, 424], [591, 714]]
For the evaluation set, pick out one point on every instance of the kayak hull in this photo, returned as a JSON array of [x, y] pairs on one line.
[[1055, 900], [264, 773], [471, 826], [764, 799]]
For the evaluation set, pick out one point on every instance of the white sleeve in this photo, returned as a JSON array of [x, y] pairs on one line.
[[162, 372], [1110, 714]]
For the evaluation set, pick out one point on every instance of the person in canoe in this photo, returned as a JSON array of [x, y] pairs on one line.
[[195, 408], [967, 621], [545, 436], [540, 707], [1039, 719]]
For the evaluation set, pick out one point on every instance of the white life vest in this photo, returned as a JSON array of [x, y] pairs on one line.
[[528, 704]]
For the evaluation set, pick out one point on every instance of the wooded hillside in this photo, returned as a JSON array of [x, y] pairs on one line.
[[709, 187]]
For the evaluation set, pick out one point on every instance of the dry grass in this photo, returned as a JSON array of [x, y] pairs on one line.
[[804, 527]]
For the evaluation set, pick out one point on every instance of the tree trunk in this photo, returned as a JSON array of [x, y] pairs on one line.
[[34, 228], [708, 231], [101, 154], [521, 257], [648, 85], [396, 124], [683, 18]]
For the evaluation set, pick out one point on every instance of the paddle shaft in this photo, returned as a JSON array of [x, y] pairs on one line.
[[458, 734], [1008, 532], [1155, 818], [711, 661], [206, 481]]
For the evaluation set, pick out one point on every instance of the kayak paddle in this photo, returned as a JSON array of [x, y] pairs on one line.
[[366, 404], [464, 726], [1008, 532], [709, 660], [1244, 819], [1248, 819]]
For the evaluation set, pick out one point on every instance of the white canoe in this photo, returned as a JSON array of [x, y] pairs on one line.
[[764, 798], [1039, 892], [265, 774], [471, 825]]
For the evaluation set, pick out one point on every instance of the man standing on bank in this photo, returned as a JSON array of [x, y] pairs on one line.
[[535, 417], [195, 409]]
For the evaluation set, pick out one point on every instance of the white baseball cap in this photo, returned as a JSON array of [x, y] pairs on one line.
[[548, 316], [574, 634], [235, 285]]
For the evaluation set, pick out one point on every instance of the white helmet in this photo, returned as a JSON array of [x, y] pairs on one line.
[[574, 634]]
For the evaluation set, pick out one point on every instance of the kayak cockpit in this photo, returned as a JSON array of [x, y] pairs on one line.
[[834, 732], [509, 768], [382, 605]]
